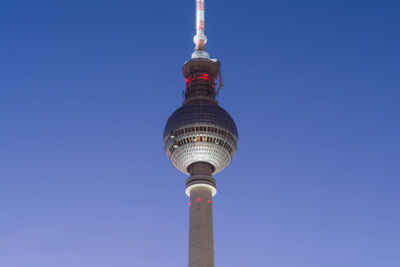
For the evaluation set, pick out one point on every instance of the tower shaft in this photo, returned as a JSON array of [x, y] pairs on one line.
[[201, 236]]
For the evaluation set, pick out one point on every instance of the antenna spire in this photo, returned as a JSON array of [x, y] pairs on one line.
[[200, 39]]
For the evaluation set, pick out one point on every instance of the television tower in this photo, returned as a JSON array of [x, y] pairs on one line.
[[200, 139]]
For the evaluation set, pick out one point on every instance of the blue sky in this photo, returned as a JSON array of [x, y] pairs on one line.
[[85, 91]]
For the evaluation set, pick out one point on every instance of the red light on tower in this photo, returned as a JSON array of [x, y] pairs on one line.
[[198, 199], [203, 76]]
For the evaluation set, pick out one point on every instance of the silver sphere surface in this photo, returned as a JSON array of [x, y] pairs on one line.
[[201, 132]]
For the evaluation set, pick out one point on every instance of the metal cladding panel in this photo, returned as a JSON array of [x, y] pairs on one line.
[[218, 152], [187, 154], [202, 114]]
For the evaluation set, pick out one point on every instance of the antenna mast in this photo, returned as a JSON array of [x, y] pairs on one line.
[[200, 39]]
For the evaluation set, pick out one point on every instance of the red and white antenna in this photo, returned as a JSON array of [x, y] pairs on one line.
[[200, 39]]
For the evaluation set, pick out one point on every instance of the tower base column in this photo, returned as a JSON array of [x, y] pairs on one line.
[[201, 237]]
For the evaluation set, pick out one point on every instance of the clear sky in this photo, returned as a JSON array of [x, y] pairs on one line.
[[87, 86]]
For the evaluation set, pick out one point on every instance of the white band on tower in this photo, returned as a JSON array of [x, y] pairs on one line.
[[212, 188]]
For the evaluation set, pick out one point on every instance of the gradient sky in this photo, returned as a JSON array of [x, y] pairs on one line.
[[87, 86]]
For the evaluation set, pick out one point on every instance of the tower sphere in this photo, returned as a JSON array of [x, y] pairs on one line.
[[200, 132]]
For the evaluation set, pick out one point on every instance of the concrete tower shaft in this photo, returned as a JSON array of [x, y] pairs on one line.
[[201, 236]]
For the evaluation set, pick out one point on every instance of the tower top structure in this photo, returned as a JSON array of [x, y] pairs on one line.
[[201, 139], [201, 130], [200, 38]]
